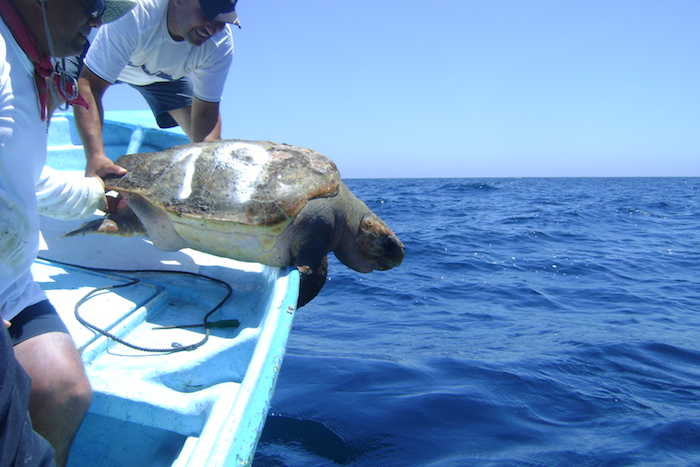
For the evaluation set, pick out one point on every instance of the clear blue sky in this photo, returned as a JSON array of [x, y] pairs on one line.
[[466, 88]]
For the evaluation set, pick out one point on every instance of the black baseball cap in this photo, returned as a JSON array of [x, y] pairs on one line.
[[220, 10]]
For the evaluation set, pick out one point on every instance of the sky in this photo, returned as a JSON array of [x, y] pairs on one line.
[[467, 88]]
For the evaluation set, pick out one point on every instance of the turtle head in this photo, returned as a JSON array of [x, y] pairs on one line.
[[375, 247]]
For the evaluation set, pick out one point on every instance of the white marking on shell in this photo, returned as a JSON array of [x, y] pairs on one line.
[[188, 159], [248, 165]]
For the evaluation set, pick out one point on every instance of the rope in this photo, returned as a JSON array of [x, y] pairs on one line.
[[132, 281], [60, 105]]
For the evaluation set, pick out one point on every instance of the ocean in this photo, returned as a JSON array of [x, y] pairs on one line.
[[533, 322]]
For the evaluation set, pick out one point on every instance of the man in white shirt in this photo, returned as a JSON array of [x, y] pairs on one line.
[[31, 31], [176, 53]]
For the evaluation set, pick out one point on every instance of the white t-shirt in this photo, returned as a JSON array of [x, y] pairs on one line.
[[26, 186], [138, 49]]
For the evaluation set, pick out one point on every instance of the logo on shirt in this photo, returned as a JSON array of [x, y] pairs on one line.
[[158, 74]]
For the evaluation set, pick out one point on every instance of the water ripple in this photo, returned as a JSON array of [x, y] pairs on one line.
[[534, 322]]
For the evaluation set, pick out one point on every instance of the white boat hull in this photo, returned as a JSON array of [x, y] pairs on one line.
[[203, 407]]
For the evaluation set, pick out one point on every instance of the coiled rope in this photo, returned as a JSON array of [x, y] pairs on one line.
[[133, 281]]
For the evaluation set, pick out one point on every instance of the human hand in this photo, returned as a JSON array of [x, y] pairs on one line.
[[102, 166]]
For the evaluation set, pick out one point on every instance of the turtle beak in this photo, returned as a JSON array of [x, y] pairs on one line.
[[378, 245], [373, 247], [381, 252], [393, 253]]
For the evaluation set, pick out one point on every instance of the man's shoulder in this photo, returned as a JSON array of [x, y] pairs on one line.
[[144, 13], [4, 33], [10, 51], [152, 6], [222, 39]]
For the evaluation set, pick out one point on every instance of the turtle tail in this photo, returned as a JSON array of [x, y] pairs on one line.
[[123, 223]]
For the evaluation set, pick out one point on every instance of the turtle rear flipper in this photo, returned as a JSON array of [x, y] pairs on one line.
[[103, 226], [123, 223]]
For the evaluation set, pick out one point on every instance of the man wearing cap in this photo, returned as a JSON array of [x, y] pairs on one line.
[[176, 53], [31, 32]]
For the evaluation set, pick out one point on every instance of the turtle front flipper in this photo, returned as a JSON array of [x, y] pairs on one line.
[[311, 281], [123, 223]]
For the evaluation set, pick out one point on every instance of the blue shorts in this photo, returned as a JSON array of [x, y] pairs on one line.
[[166, 95], [40, 318]]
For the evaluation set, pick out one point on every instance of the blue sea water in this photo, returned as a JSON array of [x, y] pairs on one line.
[[534, 322]]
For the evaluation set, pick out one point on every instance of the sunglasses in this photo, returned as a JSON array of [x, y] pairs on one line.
[[97, 9]]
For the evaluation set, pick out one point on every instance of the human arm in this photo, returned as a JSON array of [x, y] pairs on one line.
[[208, 83], [201, 121], [69, 195], [104, 61], [206, 121], [89, 123]]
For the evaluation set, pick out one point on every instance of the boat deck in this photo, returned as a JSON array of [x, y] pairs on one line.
[[180, 402]]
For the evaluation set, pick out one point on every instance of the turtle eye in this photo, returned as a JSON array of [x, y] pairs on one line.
[[367, 223]]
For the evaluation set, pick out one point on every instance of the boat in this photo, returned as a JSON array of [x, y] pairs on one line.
[[168, 390]]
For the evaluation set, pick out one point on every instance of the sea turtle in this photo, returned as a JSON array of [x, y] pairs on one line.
[[256, 201]]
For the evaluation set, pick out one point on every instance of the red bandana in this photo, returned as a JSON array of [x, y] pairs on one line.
[[43, 68]]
